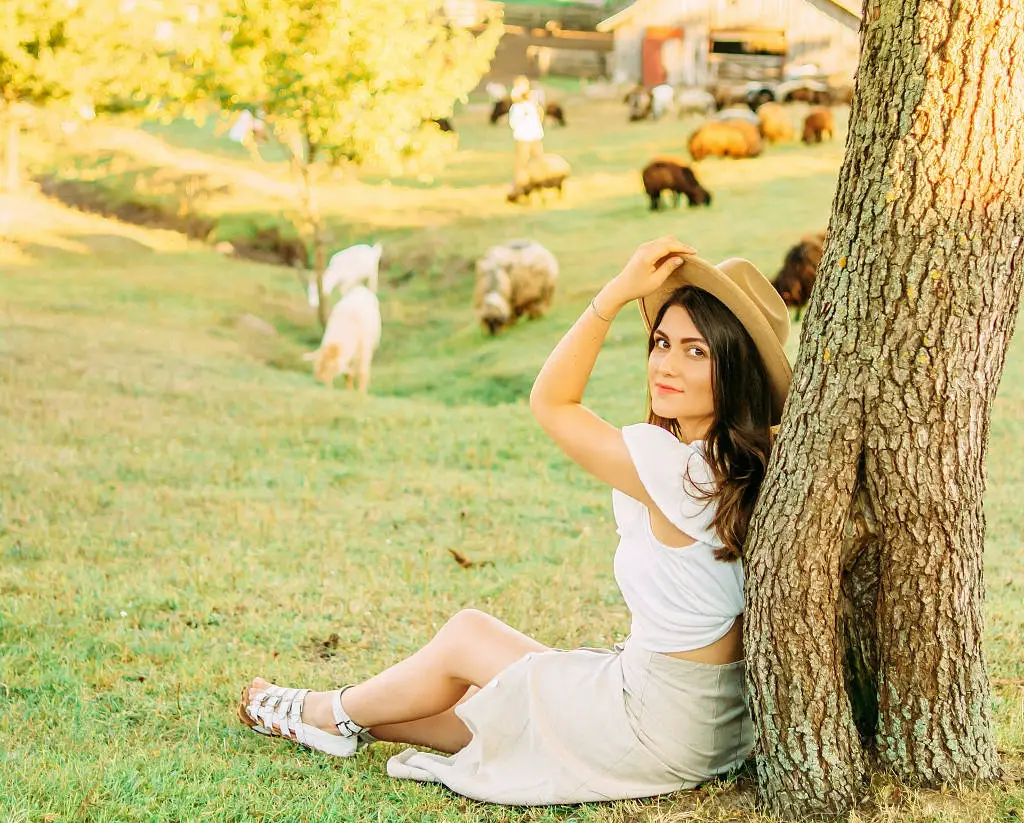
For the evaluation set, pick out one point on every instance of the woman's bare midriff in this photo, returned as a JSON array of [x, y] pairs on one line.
[[727, 649]]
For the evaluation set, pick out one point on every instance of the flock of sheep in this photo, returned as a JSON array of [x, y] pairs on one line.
[[513, 279], [519, 277], [737, 131]]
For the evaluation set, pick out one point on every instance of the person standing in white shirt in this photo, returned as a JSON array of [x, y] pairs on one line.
[[526, 119]]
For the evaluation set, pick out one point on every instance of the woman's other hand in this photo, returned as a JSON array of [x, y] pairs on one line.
[[647, 269]]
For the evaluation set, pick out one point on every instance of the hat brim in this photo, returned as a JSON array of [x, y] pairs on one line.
[[703, 275]]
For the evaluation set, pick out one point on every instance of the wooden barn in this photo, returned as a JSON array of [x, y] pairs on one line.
[[699, 42], [543, 36]]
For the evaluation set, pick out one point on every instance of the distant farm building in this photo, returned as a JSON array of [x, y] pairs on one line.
[[700, 42], [544, 36]]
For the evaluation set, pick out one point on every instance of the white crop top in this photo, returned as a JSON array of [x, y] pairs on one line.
[[680, 598]]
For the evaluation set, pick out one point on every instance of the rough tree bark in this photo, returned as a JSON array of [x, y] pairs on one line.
[[864, 563]]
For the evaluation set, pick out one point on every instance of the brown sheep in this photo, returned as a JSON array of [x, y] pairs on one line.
[[500, 109], [775, 125], [553, 111], [731, 138], [799, 271], [676, 176], [640, 102], [819, 124]]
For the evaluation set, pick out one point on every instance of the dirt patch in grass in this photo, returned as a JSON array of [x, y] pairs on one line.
[[86, 196], [270, 245], [266, 244]]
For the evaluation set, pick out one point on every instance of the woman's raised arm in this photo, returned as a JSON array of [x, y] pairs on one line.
[[557, 397]]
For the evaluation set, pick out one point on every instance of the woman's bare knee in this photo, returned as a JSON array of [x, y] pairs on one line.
[[470, 621], [477, 645]]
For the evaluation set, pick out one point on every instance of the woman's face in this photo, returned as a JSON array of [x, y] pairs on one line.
[[679, 375]]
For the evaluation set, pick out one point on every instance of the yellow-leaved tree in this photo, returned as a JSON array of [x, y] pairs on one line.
[[80, 55], [347, 83]]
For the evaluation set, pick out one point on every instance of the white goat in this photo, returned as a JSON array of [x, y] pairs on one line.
[[347, 269], [350, 339]]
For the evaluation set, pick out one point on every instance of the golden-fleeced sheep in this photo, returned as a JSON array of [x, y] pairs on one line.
[[730, 138], [548, 171], [819, 125], [799, 271], [513, 279], [775, 125]]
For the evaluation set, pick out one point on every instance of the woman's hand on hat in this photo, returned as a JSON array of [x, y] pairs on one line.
[[648, 268]]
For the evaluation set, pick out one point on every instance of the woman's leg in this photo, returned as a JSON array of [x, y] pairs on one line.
[[444, 732], [469, 650]]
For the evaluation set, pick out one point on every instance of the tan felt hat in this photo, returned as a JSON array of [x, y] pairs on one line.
[[748, 295]]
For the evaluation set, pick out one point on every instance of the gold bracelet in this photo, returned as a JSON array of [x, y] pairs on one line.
[[593, 305]]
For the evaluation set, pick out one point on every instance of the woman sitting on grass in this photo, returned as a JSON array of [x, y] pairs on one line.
[[526, 724]]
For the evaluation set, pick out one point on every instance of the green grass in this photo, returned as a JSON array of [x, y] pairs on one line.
[[182, 507]]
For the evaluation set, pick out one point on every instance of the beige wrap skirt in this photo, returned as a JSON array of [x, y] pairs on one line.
[[593, 724]]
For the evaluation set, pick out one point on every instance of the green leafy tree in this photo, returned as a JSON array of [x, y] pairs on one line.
[[80, 55], [348, 83]]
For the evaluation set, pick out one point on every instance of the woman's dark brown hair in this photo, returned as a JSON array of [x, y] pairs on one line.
[[739, 440]]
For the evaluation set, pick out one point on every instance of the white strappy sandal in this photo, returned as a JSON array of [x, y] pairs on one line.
[[277, 712]]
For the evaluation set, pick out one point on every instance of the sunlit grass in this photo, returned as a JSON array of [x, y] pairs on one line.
[[182, 507]]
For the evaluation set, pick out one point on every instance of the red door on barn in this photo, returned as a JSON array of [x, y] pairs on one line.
[[652, 71]]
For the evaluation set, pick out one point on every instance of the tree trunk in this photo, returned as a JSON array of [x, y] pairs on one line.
[[319, 253], [303, 157], [900, 358]]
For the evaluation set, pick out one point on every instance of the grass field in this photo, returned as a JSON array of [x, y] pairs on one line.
[[182, 507]]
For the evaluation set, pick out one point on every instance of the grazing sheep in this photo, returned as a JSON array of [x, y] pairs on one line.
[[347, 269], [500, 109], [757, 94], [513, 279], [548, 171], [732, 138], [663, 97], [799, 270], [819, 124], [674, 175], [775, 124], [640, 103], [350, 339], [496, 91], [555, 112], [725, 96], [694, 101]]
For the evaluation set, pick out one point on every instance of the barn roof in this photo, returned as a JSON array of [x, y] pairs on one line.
[[842, 8]]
